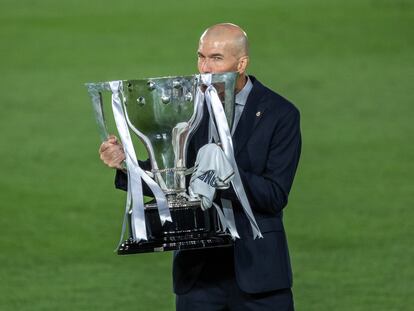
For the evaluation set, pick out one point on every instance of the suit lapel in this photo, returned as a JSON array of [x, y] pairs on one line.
[[251, 116]]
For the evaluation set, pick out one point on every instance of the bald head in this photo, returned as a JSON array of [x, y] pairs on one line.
[[232, 35], [224, 48]]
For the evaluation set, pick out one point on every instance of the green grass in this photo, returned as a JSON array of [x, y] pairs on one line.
[[347, 65]]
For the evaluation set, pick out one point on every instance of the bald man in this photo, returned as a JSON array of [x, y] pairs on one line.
[[254, 274]]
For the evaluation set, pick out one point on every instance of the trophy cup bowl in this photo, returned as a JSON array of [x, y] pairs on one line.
[[162, 113]]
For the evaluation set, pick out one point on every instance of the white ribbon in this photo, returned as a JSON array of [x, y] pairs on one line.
[[212, 128], [213, 100], [227, 221], [197, 116], [135, 198]]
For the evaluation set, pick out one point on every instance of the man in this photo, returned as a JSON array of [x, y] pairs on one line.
[[254, 274]]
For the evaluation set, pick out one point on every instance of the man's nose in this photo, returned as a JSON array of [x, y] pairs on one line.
[[205, 66]]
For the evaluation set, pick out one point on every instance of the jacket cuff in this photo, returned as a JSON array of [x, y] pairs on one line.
[[121, 180]]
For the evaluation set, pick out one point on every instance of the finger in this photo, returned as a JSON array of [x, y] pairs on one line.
[[118, 162], [104, 146], [112, 139], [115, 151], [121, 157], [111, 162], [109, 145], [105, 153]]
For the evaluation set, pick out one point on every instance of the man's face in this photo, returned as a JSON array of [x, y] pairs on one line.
[[216, 55]]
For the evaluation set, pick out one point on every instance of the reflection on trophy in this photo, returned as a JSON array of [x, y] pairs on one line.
[[164, 113]]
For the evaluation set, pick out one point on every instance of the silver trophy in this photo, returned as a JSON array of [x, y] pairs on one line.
[[164, 114]]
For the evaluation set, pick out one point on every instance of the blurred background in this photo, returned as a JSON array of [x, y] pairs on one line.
[[348, 67]]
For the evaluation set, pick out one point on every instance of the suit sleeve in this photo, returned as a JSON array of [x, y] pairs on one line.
[[268, 192]]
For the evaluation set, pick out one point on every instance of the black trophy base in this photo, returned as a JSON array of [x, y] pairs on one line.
[[129, 247], [191, 228]]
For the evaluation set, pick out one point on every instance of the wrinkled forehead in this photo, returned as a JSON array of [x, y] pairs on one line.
[[217, 44], [213, 42]]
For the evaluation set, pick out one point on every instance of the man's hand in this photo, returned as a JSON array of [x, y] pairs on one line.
[[112, 153]]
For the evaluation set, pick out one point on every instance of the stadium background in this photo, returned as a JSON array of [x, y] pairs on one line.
[[347, 65]]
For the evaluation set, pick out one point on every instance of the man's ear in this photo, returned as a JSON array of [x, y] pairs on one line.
[[242, 65]]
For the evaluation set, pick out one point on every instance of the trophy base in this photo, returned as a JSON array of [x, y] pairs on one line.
[[191, 228]]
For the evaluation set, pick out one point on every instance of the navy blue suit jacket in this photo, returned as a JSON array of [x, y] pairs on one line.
[[267, 145]]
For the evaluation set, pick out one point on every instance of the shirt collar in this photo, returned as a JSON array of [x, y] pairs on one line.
[[241, 97]]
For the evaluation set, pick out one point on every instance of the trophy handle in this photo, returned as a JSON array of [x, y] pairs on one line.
[[149, 148], [95, 91]]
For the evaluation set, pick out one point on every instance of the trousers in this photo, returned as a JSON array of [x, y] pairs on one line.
[[216, 289]]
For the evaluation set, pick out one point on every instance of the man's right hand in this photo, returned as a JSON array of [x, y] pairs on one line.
[[112, 153]]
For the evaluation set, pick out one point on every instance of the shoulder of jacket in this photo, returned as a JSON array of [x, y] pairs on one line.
[[274, 101]]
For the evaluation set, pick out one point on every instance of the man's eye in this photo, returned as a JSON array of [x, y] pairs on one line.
[[217, 58]]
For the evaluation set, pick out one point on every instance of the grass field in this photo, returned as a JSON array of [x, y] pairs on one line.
[[347, 65]]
